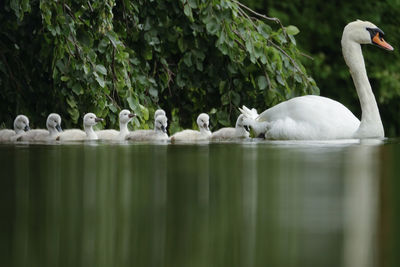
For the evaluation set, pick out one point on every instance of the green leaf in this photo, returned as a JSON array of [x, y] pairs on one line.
[[131, 102], [212, 26], [112, 108], [188, 11], [77, 89], [235, 98], [188, 59], [74, 114], [225, 99], [100, 80], [71, 102], [144, 111], [86, 68], [153, 92], [101, 69], [192, 3], [292, 30], [280, 80], [262, 82], [223, 118], [297, 78]]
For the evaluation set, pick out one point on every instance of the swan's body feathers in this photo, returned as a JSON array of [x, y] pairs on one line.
[[37, 135], [191, 135], [307, 117], [147, 135], [72, 135], [110, 134], [229, 133], [6, 134]]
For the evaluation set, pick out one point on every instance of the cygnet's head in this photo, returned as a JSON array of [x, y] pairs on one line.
[[159, 112], [203, 120], [54, 122], [21, 123], [364, 32], [125, 116], [90, 119], [161, 123], [242, 123]]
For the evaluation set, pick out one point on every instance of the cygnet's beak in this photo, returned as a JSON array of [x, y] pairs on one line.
[[98, 119], [58, 128], [27, 128], [247, 128], [205, 126], [163, 129], [131, 115]]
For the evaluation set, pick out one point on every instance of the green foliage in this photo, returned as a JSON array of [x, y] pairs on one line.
[[186, 56], [321, 26]]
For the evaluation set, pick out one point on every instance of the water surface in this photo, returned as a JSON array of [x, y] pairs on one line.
[[244, 204]]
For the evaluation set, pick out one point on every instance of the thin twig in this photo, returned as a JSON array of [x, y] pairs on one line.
[[90, 6], [268, 80], [261, 16], [247, 16], [307, 56], [258, 14]]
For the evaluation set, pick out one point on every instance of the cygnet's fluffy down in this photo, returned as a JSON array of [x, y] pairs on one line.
[[204, 133], [125, 116], [89, 120], [53, 124], [159, 112], [229, 133], [21, 125], [158, 134]]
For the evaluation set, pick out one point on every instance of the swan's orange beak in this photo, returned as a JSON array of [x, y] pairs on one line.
[[381, 43]]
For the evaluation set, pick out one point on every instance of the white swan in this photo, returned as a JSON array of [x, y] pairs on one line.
[[125, 116], [89, 120], [53, 124], [316, 117], [159, 133], [21, 125], [203, 121], [230, 133]]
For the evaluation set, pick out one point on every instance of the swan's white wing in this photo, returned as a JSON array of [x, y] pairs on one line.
[[249, 113], [309, 117]]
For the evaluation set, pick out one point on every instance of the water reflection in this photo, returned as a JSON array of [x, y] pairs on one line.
[[252, 204]]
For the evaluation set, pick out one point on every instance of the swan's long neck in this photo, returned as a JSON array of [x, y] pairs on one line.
[[371, 124], [90, 133], [205, 131], [123, 129], [52, 131]]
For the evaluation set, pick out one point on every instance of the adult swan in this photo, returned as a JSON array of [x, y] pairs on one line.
[[320, 118]]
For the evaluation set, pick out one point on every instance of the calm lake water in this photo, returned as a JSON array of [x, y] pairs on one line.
[[241, 204]]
